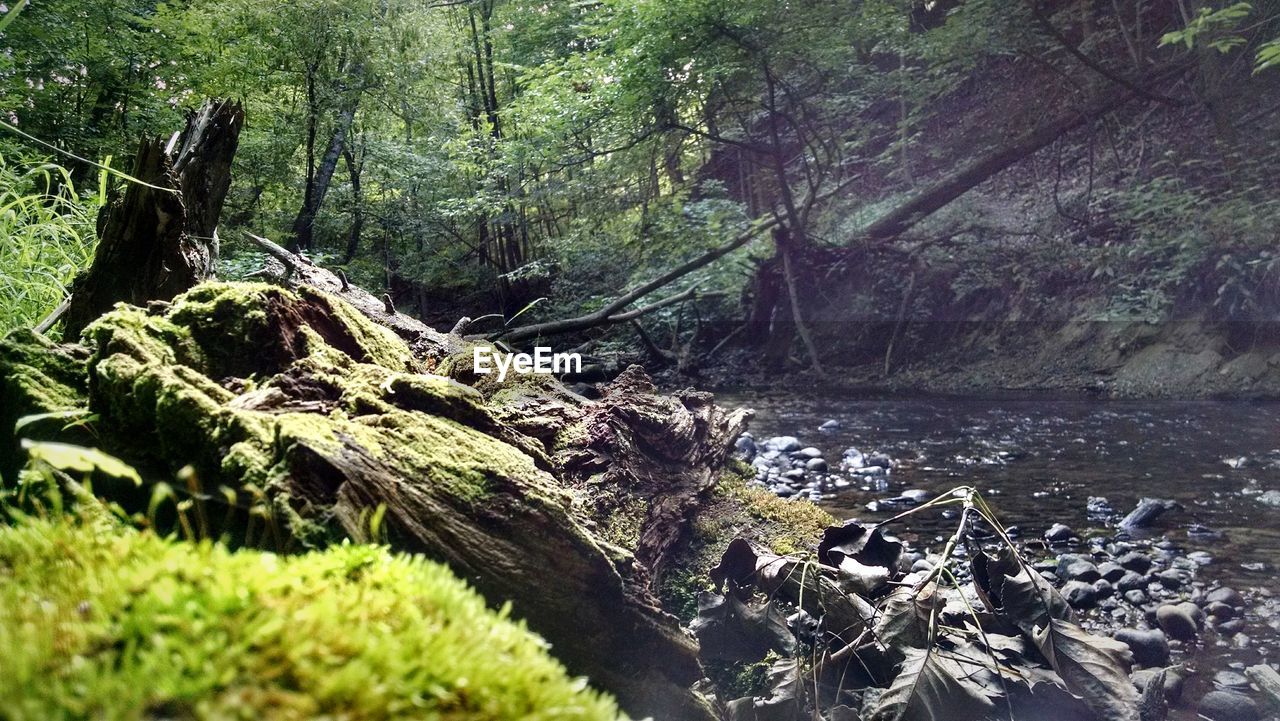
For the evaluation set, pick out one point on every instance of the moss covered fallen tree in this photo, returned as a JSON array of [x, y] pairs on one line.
[[104, 622], [287, 418]]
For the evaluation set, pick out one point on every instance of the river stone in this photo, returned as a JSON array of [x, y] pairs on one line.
[[1136, 597], [795, 474], [1150, 647], [830, 425], [1201, 558], [1080, 595], [816, 465], [1058, 534], [1131, 581], [1083, 571], [1230, 628], [1147, 511], [916, 495], [1099, 506], [1177, 622], [1270, 498], [1104, 589], [1220, 611], [1229, 596], [1230, 681], [809, 452], [745, 447], [1229, 706], [784, 444], [879, 459], [1170, 579], [1195, 612], [1173, 683], [1134, 561], [1113, 572]]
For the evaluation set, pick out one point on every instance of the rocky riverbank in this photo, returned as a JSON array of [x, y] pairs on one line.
[[1123, 579]]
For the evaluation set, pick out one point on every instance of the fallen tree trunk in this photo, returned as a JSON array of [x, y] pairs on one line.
[[158, 239], [610, 314], [312, 418], [941, 193]]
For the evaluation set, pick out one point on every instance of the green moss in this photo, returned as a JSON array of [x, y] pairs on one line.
[[788, 527], [739, 509], [37, 377], [736, 679], [116, 624], [378, 345], [325, 380], [622, 525]]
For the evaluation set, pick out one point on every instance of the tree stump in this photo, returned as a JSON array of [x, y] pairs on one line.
[[160, 239]]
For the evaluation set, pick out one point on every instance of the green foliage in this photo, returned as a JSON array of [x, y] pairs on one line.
[[109, 623], [1193, 250], [1211, 27], [1221, 29], [46, 237]]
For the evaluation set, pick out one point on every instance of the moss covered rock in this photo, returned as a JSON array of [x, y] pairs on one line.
[[115, 624]]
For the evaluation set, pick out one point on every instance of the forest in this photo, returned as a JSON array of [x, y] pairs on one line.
[[925, 362]]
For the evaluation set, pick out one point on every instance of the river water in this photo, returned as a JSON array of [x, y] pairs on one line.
[[1037, 461]]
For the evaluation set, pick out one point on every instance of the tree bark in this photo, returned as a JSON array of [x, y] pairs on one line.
[[160, 239]]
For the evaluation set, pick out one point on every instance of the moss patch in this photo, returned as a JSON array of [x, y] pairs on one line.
[[739, 509], [36, 377], [115, 624]]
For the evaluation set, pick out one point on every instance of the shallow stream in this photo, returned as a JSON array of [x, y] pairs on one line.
[[1039, 460]]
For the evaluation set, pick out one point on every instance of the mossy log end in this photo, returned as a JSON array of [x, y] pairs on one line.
[[314, 417]]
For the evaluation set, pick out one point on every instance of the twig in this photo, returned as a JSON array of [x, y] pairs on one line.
[[44, 325]]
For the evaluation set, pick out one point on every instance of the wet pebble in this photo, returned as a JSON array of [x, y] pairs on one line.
[[1083, 571], [1150, 647], [1112, 572], [1230, 681], [830, 426], [1131, 581], [783, 444], [1177, 622], [1059, 534], [1080, 595], [1219, 610], [1134, 561], [1225, 595], [1229, 706]]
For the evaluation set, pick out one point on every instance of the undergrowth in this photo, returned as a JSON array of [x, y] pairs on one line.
[[46, 237], [105, 622]]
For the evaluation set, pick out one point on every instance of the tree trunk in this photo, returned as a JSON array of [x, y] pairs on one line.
[[318, 187], [357, 208], [941, 193], [159, 239]]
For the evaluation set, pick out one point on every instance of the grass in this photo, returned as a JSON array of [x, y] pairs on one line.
[[103, 622], [46, 237]]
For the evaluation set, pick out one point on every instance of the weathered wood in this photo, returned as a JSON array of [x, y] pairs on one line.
[[156, 242], [426, 342], [1267, 680]]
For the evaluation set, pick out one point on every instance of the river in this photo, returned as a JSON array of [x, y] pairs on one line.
[[1038, 460]]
